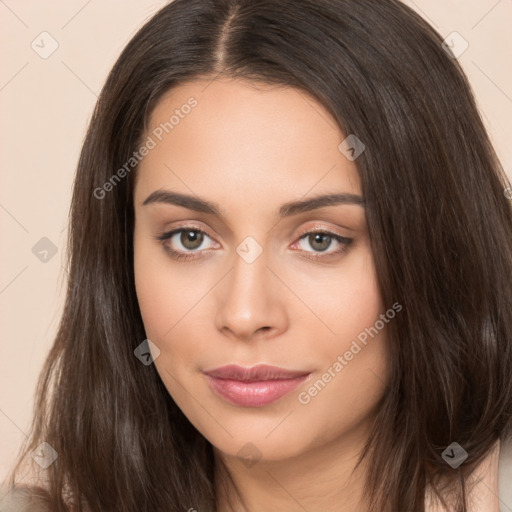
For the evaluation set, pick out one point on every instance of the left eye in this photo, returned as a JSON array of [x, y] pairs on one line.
[[322, 240], [191, 239]]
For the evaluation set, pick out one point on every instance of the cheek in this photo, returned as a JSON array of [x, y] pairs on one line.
[[358, 308], [353, 358], [168, 299], [153, 295], [347, 394], [162, 294], [352, 378], [344, 301], [161, 304]]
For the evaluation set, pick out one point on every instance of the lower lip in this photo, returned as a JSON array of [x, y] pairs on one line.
[[253, 394]]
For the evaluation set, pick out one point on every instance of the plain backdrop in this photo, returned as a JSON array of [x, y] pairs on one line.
[[46, 103]]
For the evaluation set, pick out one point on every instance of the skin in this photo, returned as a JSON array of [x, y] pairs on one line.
[[250, 148], [483, 485]]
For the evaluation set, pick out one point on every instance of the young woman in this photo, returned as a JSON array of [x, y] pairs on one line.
[[290, 266]]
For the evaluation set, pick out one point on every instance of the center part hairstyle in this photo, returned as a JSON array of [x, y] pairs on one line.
[[440, 227]]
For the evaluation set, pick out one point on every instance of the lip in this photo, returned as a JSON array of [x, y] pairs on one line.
[[256, 386]]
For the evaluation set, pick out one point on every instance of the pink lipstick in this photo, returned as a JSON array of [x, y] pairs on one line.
[[255, 386]]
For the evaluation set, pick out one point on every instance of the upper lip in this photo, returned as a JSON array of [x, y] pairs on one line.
[[254, 373]]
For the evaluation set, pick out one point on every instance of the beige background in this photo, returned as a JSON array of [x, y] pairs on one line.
[[46, 105]]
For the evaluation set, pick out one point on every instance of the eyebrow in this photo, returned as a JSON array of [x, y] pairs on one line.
[[286, 210]]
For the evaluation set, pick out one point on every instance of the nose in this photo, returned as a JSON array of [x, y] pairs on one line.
[[250, 302]]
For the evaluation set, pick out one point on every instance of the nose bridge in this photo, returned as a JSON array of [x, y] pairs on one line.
[[248, 300], [249, 268]]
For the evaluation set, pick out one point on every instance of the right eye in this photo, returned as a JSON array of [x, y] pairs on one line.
[[190, 239]]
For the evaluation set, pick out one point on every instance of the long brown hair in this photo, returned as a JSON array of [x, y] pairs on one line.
[[440, 226]]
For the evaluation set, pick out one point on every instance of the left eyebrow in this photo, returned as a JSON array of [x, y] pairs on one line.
[[286, 210], [295, 207]]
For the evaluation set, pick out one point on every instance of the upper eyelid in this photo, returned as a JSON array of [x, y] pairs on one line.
[[320, 229], [303, 233], [171, 232]]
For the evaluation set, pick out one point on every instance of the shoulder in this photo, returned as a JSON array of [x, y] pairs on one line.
[[505, 476], [24, 499], [488, 486]]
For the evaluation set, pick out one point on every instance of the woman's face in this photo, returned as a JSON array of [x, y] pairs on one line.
[[254, 290]]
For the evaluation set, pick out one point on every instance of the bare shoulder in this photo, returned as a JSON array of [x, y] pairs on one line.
[[483, 493], [484, 496], [24, 499], [505, 476]]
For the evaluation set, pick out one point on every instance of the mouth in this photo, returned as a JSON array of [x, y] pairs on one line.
[[256, 386]]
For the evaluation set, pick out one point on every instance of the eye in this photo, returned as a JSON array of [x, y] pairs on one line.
[[321, 240], [190, 238]]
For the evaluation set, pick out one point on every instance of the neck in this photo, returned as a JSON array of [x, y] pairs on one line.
[[323, 479]]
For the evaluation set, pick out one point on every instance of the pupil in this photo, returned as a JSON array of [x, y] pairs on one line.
[[317, 237], [191, 239]]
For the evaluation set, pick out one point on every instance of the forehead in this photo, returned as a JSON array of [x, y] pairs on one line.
[[256, 140]]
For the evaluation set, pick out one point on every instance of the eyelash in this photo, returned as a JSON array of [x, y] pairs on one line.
[[181, 256]]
